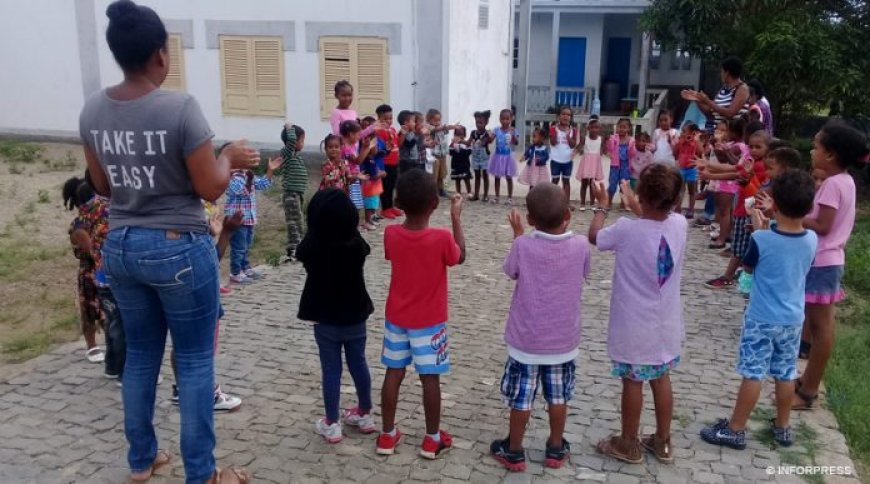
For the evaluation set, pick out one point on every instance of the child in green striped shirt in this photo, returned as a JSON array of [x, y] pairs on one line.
[[294, 182]]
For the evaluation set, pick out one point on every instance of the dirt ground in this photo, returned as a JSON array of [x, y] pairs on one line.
[[37, 267]]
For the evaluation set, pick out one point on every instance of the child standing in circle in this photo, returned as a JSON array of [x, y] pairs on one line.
[[460, 160], [643, 159], [502, 163], [542, 338], [688, 149], [334, 172], [563, 139], [415, 330], [621, 150], [536, 157], [335, 299], [645, 334], [590, 162], [480, 140], [664, 140], [836, 148], [351, 132]]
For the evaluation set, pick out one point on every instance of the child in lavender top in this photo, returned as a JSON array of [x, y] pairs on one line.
[[645, 335], [542, 338]]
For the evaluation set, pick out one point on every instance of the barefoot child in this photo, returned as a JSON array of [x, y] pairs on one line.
[[502, 163], [590, 170], [779, 259], [536, 157], [645, 334], [415, 330], [542, 338], [335, 299]]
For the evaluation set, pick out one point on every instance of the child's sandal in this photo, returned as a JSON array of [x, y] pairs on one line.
[[807, 402], [614, 447], [660, 448]]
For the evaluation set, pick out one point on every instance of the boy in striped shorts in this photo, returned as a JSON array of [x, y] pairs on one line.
[[415, 330]]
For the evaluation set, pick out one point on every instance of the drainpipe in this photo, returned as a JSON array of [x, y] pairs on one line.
[[644, 71], [522, 80]]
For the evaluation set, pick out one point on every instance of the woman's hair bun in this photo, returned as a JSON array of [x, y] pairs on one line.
[[123, 13]]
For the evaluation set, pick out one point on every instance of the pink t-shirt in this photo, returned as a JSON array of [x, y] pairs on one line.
[[646, 315], [339, 116], [837, 192], [550, 271]]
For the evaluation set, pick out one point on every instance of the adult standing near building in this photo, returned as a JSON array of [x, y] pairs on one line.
[[151, 151], [763, 105], [731, 101]]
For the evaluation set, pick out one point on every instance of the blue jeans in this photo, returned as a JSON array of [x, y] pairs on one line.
[[240, 244], [116, 344], [710, 207], [617, 174], [330, 340], [163, 281]]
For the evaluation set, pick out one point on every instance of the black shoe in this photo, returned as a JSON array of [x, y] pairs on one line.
[[513, 461], [721, 434], [804, 351], [555, 457], [782, 435], [443, 194], [174, 398]]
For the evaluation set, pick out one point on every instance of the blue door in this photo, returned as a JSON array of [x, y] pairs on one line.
[[619, 62], [571, 71]]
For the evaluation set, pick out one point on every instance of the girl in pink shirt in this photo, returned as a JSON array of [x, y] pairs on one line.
[[645, 333], [835, 148], [344, 112]]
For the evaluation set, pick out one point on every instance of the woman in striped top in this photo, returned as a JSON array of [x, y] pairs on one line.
[[732, 99]]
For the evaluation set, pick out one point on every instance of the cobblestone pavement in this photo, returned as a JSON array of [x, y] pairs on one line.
[[61, 421]]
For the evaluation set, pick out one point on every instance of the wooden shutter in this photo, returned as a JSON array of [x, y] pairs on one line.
[[252, 76], [364, 62], [236, 67], [334, 66], [372, 80], [269, 77], [175, 79]]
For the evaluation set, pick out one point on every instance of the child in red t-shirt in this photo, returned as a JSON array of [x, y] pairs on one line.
[[415, 330]]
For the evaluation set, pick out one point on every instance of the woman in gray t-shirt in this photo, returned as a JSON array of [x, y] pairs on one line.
[[151, 151]]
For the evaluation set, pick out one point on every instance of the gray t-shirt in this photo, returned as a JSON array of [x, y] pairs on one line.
[[142, 145]]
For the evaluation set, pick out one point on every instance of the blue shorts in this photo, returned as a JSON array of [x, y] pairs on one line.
[[617, 174], [563, 170], [520, 382], [371, 203], [768, 349], [823, 285], [355, 193], [426, 348], [635, 372], [689, 174]]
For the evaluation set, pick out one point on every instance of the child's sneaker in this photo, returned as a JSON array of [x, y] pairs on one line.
[[430, 449], [782, 435], [330, 432], [225, 290], [387, 443], [240, 278], [721, 434], [365, 423], [513, 461], [224, 402], [555, 457], [253, 275]]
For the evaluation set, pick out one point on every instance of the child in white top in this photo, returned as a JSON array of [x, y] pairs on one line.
[[664, 139], [590, 163]]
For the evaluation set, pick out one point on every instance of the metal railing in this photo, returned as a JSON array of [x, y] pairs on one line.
[[541, 99]]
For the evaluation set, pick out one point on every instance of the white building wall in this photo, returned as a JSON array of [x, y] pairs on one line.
[[663, 75], [479, 64], [541, 70], [40, 88]]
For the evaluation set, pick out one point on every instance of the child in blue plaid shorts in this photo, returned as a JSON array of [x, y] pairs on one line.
[[542, 338]]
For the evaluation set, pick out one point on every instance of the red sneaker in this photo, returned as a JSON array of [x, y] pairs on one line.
[[387, 443], [226, 290], [388, 214], [398, 212], [430, 449]]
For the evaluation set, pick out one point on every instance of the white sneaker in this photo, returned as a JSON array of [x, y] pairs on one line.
[[95, 355], [253, 275], [714, 234], [224, 402], [331, 433], [240, 278], [365, 423]]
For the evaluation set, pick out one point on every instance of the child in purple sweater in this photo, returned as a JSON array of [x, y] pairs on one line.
[[542, 338]]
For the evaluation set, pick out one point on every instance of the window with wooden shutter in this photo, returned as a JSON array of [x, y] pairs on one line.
[[252, 75], [364, 62], [175, 79]]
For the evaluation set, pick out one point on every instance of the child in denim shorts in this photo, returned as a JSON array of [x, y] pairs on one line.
[[542, 338], [779, 259]]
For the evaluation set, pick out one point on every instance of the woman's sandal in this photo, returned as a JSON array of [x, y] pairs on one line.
[[611, 447], [163, 458], [808, 402], [660, 448]]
